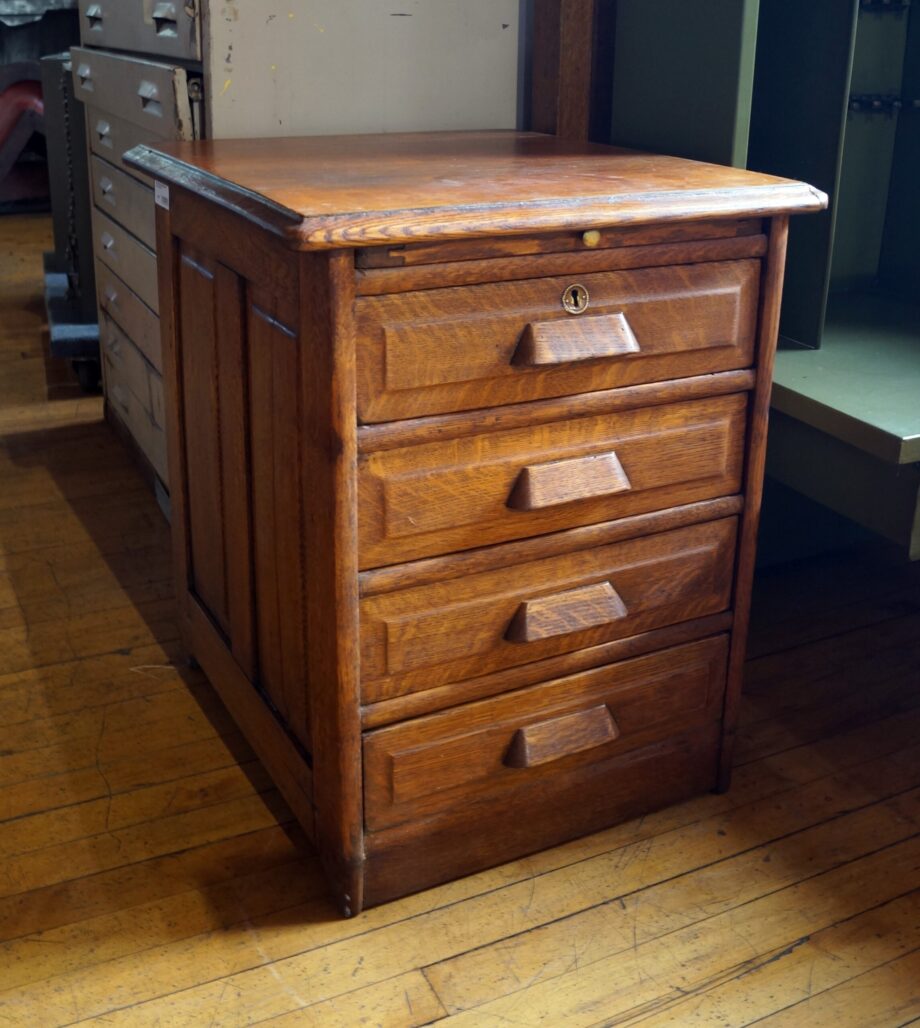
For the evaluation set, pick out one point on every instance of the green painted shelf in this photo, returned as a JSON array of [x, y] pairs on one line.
[[863, 385]]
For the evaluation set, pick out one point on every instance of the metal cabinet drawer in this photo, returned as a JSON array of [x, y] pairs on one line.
[[125, 199], [169, 28], [111, 137], [120, 352], [127, 309], [133, 262], [154, 96], [131, 411]]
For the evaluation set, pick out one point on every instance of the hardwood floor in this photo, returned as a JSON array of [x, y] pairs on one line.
[[149, 874]]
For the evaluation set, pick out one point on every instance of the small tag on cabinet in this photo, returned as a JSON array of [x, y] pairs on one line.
[[161, 194]]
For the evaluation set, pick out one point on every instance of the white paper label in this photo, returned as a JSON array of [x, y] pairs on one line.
[[161, 194]]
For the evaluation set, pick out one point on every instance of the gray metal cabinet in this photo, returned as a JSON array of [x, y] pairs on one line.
[[149, 70]]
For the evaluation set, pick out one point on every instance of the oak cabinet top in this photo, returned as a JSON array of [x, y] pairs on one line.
[[322, 192]]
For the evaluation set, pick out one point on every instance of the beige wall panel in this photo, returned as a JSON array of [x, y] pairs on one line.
[[327, 66]]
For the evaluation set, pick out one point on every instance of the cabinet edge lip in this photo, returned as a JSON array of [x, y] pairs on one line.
[[349, 229], [252, 206]]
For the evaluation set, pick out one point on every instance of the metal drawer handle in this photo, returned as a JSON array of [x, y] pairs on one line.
[[149, 97], [575, 610], [164, 20], [107, 240], [110, 296], [104, 131], [564, 481], [561, 736], [85, 75], [94, 17], [106, 186]]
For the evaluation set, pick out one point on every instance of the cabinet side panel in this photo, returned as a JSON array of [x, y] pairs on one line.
[[234, 461], [278, 540], [206, 339]]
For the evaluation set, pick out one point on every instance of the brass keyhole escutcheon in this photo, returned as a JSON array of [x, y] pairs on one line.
[[575, 299]]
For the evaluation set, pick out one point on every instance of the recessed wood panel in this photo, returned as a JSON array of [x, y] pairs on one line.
[[217, 506], [278, 540], [466, 492], [440, 350], [422, 637], [200, 376]]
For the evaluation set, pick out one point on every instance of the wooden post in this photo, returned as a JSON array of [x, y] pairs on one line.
[[563, 61]]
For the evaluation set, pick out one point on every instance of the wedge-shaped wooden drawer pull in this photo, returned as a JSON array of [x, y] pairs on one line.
[[567, 340], [561, 736], [564, 481], [575, 610]]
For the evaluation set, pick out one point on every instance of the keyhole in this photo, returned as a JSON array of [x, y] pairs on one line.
[[575, 299]]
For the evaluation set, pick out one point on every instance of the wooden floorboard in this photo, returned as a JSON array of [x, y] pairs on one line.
[[150, 875]]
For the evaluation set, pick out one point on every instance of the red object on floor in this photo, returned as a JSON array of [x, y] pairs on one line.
[[23, 99], [22, 114]]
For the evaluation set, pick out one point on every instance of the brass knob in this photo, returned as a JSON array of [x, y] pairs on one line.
[[591, 238]]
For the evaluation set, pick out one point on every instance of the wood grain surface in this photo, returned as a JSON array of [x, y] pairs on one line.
[[344, 191], [458, 758], [479, 489], [151, 875], [457, 628], [451, 349]]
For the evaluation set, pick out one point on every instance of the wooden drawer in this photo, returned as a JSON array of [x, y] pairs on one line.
[[125, 199], [151, 95], [169, 29], [461, 493], [419, 854], [424, 636], [111, 137], [485, 752], [442, 350], [133, 262], [126, 308]]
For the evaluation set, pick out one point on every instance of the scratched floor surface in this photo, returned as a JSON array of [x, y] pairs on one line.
[[150, 875]]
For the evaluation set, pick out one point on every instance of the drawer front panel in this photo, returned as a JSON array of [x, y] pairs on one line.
[[133, 262], [484, 750], [422, 637], [147, 26], [111, 137], [126, 308], [467, 492], [122, 354], [126, 200], [131, 411], [455, 349], [152, 96], [573, 803]]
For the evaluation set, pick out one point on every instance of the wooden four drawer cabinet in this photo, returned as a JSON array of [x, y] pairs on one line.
[[466, 433]]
